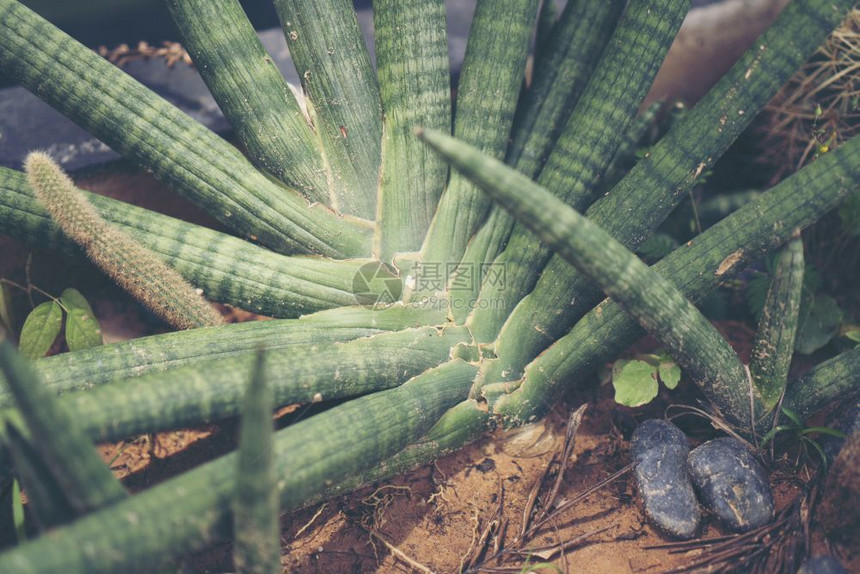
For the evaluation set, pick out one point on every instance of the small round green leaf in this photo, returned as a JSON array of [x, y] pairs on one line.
[[41, 329], [670, 374], [72, 298], [82, 328], [818, 325], [635, 382]]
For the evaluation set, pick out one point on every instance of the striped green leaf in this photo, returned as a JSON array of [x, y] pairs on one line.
[[86, 482], [186, 156], [490, 82], [460, 425], [412, 63], [638, 137], [191, 511], [835, 379], [572, 51], [657, 183], [257, 533], [774, 340], [212, 390], [331, 58], [227, 269], [696, 268], [588, 143], [655, 303], [98, 366], [251, 92]]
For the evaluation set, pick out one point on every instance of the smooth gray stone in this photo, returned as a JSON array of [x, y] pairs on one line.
[[822, 565], [660, 452], [731, 483]]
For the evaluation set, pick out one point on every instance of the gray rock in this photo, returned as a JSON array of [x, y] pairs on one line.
[[822, 565], [731, 483], [660, 452]]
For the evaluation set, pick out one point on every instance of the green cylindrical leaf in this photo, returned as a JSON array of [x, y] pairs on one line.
[[257, 533], [490, 82], [651, 190], [191, 511], [460, 425], [835, 379], [587, 144], [774, 341], [98, 366], [228, 269], [412, 63], [86, 481], [696, 268], [186, 156], [331, 58], [159, 353], [212, 390], [251, 92], [573, 50], [655, 303]]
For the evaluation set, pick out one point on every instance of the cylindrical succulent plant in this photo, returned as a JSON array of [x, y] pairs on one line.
[[398, 283]]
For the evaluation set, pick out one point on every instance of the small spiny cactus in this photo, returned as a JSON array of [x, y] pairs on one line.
[[137, 269]]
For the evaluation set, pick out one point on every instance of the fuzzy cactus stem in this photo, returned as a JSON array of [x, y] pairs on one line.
[[137, 270]]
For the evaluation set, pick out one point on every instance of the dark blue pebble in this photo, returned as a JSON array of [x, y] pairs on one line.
[[731, 483], [660, 452]]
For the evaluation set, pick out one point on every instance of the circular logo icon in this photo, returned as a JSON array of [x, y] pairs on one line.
[[376, 284]]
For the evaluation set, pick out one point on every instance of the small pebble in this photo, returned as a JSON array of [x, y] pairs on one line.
[[660, 452], [731, 483], [822, 565]]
